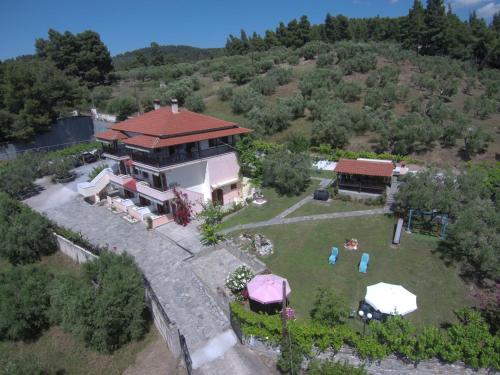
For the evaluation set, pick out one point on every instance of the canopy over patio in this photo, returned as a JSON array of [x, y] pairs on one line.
[[267, 289], [391, 299]]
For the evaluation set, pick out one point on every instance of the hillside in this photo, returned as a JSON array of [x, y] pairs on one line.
[[177, 53], [354, 96]]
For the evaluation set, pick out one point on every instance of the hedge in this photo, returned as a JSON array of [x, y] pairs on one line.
[[469, 340], [336, 154]]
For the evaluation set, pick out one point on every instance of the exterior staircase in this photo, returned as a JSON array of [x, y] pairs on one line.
[[98, 183]]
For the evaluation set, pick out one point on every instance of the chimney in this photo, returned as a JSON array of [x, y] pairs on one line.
[[175, 106], [156, 104]]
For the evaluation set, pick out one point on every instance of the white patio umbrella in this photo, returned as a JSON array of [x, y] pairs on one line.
[[391, 299]]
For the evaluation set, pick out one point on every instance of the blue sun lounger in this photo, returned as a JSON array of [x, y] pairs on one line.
[[333, 256], [363, 264]]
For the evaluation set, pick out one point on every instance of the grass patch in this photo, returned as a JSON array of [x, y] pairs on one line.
[[301, 126], [322, 174], [275, 205], [301, 255], [221, 110], [58, 351], [319, 207]]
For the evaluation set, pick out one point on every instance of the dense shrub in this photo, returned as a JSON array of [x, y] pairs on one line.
[[293, 58], [328, 309], [296, 104], [361, 64], [325, 59], [264, 85], [24, 302], [282, 75], [26, 365], [106, 308], [288, 173], [225, 93], [468, 340], [319, 78], [348, 91], [217, 76], [241, 73], [333, 128], [481, 107], [270, 119], [123, 106], [383, 76], [26, 235], [100, 96], [211, 215], [195, 103], [264, 66], [245, 99], [17, 176], [334, 368]]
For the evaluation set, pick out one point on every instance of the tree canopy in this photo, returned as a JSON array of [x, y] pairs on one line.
[[81, 55], [430, 30]]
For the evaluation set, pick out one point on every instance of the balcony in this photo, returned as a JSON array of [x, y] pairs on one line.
[[159, 161], [115, 152]]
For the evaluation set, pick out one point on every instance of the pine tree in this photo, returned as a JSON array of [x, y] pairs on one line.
[[414, 27], [156, 55], [435, 21], [330, 28]]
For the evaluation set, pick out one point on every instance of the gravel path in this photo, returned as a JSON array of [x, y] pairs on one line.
[[282, 221]]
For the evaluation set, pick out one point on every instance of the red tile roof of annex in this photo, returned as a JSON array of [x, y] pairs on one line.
[[111, 135], [146, 141], [163, 123], [362, 167]]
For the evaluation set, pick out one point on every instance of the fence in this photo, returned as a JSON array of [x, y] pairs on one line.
[[173, 338]]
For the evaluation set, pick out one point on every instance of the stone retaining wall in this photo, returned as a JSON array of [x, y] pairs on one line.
[[165, 326], [390, 365]]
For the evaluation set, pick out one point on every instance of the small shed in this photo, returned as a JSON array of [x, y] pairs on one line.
[[368, 176]]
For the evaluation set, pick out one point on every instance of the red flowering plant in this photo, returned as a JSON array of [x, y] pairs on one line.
[[184, 208]]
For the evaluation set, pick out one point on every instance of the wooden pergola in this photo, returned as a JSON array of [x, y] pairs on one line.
[[363, 176]]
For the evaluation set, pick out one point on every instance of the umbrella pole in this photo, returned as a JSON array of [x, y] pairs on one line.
[[283, 312]]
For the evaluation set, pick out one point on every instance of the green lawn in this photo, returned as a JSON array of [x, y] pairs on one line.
[[320, 207], [222, 110], [301, 255], [58, 352], [275, 205]]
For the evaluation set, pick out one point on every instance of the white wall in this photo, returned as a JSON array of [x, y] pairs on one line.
[[190, 176]]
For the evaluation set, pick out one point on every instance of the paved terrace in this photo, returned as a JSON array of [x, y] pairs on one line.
[[167, 258]]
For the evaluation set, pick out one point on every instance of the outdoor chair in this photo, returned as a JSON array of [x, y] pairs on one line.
[[333, 256], [363, 264]]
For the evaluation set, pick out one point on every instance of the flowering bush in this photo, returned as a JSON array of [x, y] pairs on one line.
[[237, 280]]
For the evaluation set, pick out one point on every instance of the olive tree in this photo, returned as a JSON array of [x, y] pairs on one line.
[[288, 173]]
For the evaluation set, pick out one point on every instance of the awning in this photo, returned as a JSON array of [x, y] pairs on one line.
[[224, 183]]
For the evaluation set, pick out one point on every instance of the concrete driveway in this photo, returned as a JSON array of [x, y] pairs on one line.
[[166, 259]]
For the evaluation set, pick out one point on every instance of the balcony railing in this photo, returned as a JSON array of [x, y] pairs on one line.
[[164, 161], [116, 150]]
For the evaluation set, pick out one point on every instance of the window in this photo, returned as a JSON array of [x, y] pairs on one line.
[[212, 142], [224, 140], [143, 201], [135, 171], [145, 174], [234, 186]]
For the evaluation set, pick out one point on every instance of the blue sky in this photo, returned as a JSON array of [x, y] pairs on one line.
[[129, 24]]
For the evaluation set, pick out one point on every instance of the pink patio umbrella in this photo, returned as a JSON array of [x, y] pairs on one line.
[[267, 289]]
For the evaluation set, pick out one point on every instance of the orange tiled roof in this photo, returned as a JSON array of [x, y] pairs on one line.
[[111, 135], [362, 167], [146, 141], [163, 123]]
